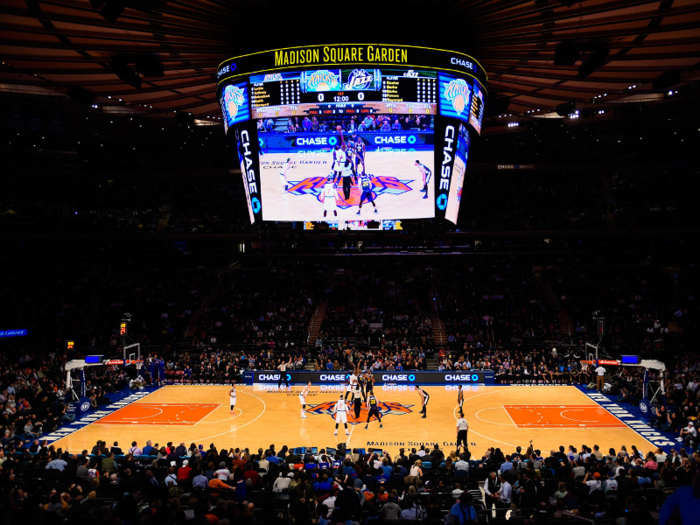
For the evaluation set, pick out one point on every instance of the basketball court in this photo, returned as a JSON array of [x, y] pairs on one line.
[[498, 416]]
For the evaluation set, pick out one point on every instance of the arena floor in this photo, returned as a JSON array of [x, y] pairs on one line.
[[498, 416]]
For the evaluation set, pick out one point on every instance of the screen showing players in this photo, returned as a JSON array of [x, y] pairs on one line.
[[455, 96], [342, 145], [458, 171]]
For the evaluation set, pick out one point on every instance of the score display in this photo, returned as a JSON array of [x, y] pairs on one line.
[[342, 86], [348, 142]]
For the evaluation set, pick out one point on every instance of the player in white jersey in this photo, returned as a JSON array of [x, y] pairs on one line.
[[283, 175], [426, 173], [341, 415], [352, 381], [232, 397], [329, 194], [302, 398]]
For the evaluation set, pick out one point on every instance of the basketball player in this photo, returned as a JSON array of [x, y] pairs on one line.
[[329, 193], [462, 430], [343, 167], [232, 397], [352, 381], [282, 367], [425, 171], [366, 185], [358, 152], [341, 415], [161, 371], [424, 398], [283, 175], [302, 398], [373, 405], [460, 399]]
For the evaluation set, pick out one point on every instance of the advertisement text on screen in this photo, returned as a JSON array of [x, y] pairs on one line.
[[447, 158], [251, 176], [340, 54], [464, 63]]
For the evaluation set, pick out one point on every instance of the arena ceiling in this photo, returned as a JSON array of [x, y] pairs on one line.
[[617, 50]]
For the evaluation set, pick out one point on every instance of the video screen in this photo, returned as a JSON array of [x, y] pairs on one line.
[[455, 97], [346, 145], [458, 171], [380, 167], [234, 104], [476, 114]]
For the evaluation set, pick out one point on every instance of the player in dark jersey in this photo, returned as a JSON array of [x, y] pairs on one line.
[[460, 399], [424, 398], [426, 172], [373, 405], [358, 152], [366, 185]]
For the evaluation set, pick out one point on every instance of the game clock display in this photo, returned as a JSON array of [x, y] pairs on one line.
[[356, 143]]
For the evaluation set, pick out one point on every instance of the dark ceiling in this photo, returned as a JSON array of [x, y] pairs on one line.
[[617, 49]]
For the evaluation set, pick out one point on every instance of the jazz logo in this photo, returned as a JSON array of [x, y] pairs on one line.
[[233, 100], [359, 79], [322, 80], [457, 92]]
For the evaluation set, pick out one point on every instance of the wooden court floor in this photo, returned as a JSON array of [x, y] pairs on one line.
[[498, 416], [403, 201]]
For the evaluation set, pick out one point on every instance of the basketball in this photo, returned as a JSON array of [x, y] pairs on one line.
[[339, 128]]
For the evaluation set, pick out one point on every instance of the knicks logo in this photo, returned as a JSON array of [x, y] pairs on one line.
[[388, 408], [457, 92], [381, 185], [233, 99], [322, 80]]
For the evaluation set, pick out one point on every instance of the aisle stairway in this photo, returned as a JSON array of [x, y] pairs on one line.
[[439, 331], [317, 320], [192, 326], [566, 325]]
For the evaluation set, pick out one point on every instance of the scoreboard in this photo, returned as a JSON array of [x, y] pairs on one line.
[[349, 91], [381, 128]]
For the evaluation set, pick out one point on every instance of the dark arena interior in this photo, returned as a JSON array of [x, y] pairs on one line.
[[240, 286]]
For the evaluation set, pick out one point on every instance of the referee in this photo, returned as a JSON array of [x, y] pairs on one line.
[[283, 372], [462, 430]]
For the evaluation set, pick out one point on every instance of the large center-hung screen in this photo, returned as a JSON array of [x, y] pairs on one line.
[[346, 143], [352, 133]]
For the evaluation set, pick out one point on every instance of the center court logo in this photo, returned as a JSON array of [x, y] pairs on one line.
[[381, 185], [388, 408], [233, 99], [457, 92]]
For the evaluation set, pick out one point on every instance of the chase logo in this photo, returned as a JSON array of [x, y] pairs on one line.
[[334, 377], [398, 377], [386, 408], [255, 204], [441, 202], [358, 79], [272, 377], [401, 139], [85, 406], [322, 80], [462, 377], [457, 92], [233, 100], [464, 63], [311, 141], [380, 185]]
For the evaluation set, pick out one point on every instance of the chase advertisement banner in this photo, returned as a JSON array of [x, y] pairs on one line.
[[293, 142], [335, 56], [245, 136], [446, 144], [380, 378]]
